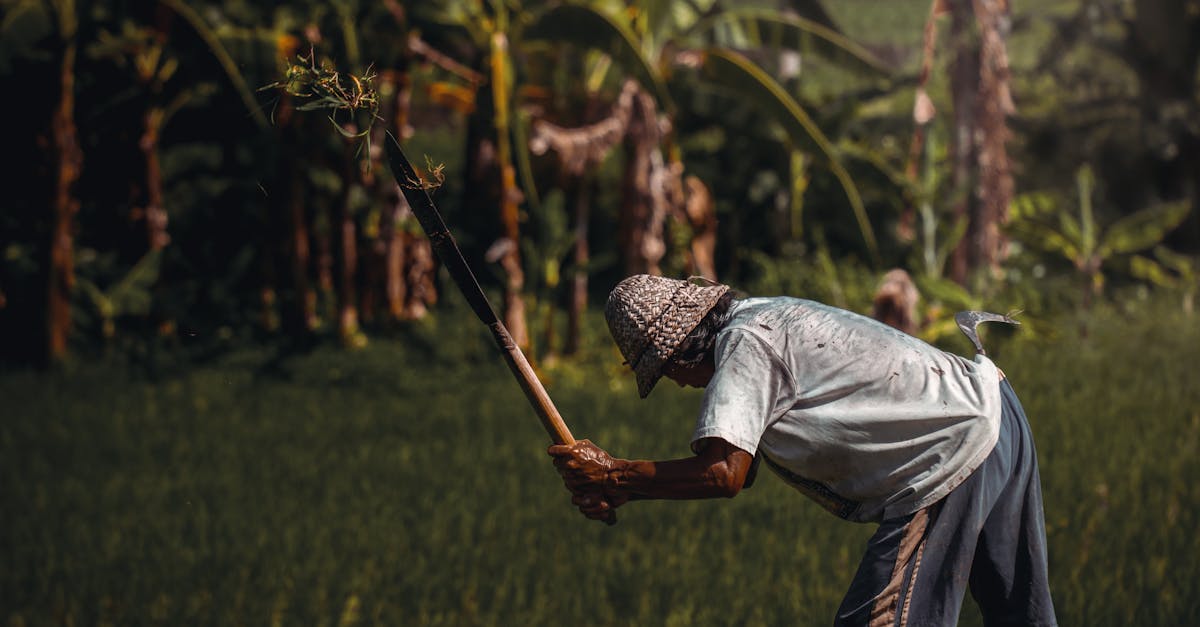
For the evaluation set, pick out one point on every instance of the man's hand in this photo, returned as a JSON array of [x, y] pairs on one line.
[[597, 506], [584, 468]]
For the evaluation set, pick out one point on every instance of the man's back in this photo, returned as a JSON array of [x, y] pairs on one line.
[[867, 420]]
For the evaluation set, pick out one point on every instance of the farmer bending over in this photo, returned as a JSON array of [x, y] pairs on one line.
[[874, 425]]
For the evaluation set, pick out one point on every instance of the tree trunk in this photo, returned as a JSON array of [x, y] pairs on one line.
[[155, 216], [643, 195], [490, 181], [409, 261], [387, 190], [994, 193], [300, 259], [510, 195], [964, 87], [346, 251], [409, 265], [301, 312], [982, 176], [420, 273], [69, 158], [702, 217], [395, 289], [397, 286], [581, 254], [923, 113], [514, 302]]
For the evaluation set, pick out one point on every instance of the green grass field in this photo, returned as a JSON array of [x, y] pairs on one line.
[[402, 485]]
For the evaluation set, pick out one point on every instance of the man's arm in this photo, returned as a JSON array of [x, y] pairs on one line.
[[719, 470]]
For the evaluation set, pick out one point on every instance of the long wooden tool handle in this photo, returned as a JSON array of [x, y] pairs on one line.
[[532, 386], [447, 250]]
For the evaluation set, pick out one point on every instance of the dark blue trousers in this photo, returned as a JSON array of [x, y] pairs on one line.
[[989, 534]]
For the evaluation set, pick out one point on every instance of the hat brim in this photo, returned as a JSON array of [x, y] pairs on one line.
[[662, 346]]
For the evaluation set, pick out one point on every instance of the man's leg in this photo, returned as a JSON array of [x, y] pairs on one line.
[[1009, 578], [880, 587], [988, 533], [917, 568]]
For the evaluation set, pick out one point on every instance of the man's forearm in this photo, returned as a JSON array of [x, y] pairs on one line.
[[712, 474]]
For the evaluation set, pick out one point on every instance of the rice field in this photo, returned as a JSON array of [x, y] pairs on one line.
[[403, 484]]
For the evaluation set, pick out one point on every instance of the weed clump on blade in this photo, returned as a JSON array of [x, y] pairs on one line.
[[321, 86], [436, 176]]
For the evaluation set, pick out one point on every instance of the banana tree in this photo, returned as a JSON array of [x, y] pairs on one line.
[[146, 46], [1080, 239], [131, 295], [69, 161], [489, 32], [47, 31], [648, 42], [655, 42], [652, 43], [144, 50], [354, 69]]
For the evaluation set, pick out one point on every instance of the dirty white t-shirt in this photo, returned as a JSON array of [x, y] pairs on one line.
[[868, 421]]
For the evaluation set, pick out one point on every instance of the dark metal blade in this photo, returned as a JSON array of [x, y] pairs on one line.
[[431, 222]]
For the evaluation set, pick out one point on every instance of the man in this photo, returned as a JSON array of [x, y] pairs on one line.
[[873, 424]]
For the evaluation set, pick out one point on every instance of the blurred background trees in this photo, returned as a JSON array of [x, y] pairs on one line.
[[158, 196]]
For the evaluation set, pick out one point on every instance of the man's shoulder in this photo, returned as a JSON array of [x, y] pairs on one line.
[[792, 326], [749, 309], [762, 324], [768, 316]]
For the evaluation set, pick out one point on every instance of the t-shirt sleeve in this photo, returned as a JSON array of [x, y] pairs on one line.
[[746, 392]]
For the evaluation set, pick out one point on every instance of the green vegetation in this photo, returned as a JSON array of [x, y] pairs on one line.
[[259, 400], [406, 483], [178, 182]]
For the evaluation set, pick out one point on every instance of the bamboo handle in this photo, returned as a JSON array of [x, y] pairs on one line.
[[447, 250], [534, 390], [536, 393]]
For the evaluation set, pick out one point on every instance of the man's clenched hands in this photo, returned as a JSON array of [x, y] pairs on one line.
[[585, 469], [583, 465]]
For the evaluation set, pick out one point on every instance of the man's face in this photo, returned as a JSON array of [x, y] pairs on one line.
[[696, 376]]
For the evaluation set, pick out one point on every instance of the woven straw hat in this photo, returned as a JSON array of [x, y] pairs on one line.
[[649, 316]]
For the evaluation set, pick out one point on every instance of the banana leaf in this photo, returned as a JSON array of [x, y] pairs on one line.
[[738, 74], [1150, 270], [1186, 266], [206, 34], [589, 28], [763, 27], [1142, 229]]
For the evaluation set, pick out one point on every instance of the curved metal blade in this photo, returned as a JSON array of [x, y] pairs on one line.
[[968, 322]]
